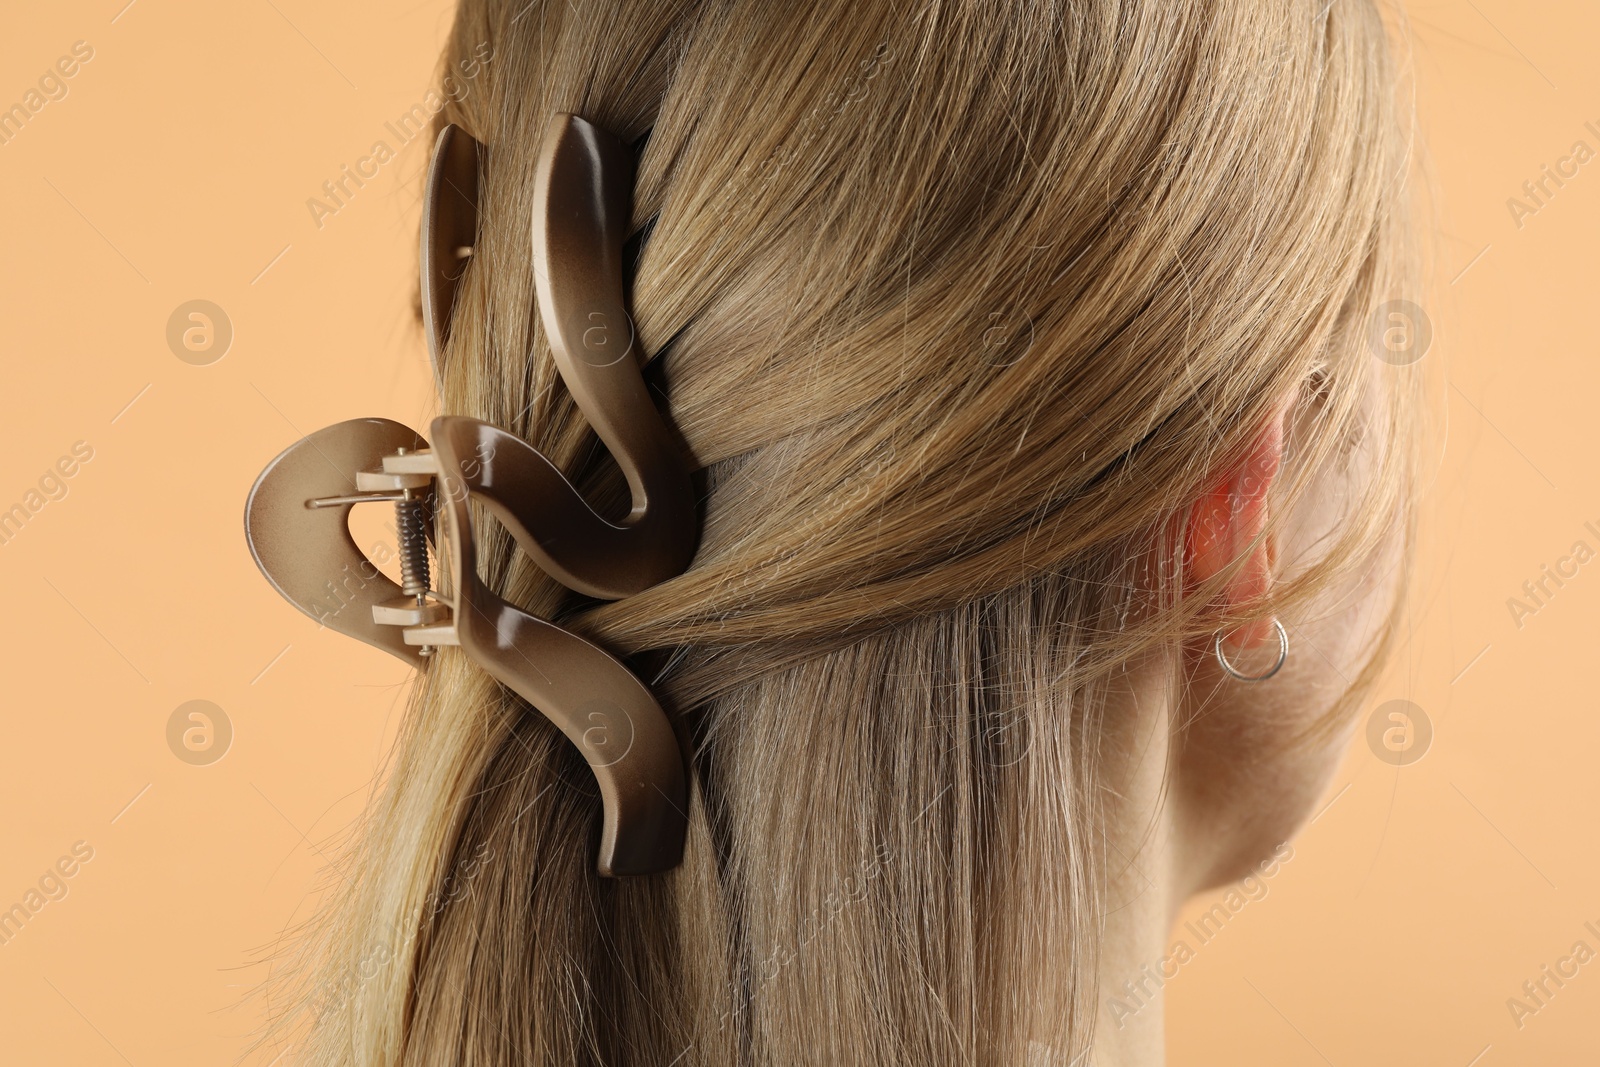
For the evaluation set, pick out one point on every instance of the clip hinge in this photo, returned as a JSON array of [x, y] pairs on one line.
[[406, 478]]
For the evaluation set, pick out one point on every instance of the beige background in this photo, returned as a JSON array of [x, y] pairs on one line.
[[178, 166]]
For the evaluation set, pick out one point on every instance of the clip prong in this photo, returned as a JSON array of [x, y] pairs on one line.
[[353, 498]]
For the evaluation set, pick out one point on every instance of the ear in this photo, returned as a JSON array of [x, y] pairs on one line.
[[1229, 518]]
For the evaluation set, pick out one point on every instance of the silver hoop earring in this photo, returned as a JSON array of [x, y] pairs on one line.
[[1283, 654]]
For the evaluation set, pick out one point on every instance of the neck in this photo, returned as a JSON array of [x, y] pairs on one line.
[[1144, 881]]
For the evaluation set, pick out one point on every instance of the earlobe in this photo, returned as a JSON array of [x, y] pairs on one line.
[[1228, 521]]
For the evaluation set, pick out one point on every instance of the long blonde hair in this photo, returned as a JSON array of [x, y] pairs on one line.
[[956, 307]]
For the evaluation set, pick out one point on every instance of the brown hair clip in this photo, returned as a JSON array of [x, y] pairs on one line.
[[296, 519]]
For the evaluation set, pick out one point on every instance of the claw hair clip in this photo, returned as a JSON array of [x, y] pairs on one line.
[[296, 519]]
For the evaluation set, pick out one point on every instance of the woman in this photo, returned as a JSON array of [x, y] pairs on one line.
[[1021, 351]]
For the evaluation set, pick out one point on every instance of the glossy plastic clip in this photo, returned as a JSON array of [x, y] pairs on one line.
[[296, 519]]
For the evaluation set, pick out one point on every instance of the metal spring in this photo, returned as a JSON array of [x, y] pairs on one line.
[[410, 522]]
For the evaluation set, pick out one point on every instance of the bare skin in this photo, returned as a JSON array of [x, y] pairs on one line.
[[1216, 773]]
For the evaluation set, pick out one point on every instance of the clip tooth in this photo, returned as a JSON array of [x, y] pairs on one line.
[[406, 611], [432, 634]]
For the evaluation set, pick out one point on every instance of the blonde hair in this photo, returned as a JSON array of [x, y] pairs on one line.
[[957, 308]]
